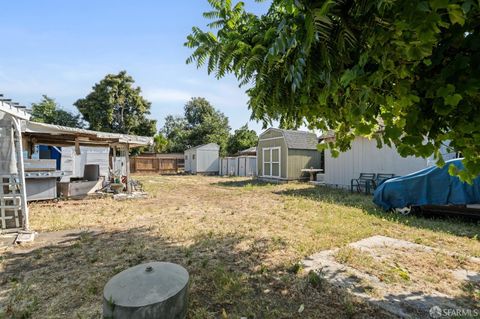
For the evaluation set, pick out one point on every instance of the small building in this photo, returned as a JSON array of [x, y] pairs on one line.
[[238, 166], [202, 159], [282, 154], [25, 176], [365, 157]]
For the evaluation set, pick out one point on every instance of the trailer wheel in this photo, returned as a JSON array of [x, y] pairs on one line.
[[404, 210]]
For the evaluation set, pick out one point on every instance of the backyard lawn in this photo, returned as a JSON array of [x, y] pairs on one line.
[[241, 241]]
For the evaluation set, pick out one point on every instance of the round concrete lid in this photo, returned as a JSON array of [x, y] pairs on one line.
[[146, 284]]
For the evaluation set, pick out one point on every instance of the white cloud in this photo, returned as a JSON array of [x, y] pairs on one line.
[[166, 95]]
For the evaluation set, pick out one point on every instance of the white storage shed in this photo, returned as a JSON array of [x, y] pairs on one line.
[[202, 159], [238, 166], [365, 157]]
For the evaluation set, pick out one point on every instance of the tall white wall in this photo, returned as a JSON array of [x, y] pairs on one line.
[[365, 157]]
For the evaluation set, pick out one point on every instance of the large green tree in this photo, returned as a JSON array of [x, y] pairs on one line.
[[405, 72], [116, 105], [176, 132], [241, 139], [201, 124], [49, 112]]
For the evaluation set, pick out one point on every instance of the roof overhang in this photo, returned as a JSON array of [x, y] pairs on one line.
[[49, 134]]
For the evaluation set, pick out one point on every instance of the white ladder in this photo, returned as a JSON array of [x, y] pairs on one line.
[[10, 201], [13, 200]]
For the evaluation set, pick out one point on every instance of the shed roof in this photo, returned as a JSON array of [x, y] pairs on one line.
[[298, 139], [209, 145]]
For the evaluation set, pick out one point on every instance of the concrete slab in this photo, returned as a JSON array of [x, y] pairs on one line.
[[43, 239], [408, 303]]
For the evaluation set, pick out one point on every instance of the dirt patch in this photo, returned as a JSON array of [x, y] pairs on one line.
[[402, 277]]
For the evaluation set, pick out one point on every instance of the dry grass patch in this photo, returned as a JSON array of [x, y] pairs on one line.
[[240, 240]]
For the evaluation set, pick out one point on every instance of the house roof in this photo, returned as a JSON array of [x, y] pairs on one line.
[[330, 134], [300, 140], [251, 150]]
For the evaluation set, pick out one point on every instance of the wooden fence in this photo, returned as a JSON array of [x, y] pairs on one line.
[[141, 164]]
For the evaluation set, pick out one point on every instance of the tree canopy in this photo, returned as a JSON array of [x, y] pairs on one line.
[[241, 139], [160, 143], [201, 124], [176, 132], [49, 112], [115, 105], [404, 72]]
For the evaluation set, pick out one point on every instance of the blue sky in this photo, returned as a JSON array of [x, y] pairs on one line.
[[62, 48]]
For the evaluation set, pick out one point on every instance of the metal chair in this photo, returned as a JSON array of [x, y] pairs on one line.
[[365, 180]]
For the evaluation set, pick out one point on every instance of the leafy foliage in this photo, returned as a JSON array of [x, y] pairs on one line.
[[160, 143], [241, 139], [176, 132], [115, 105], [49, 112], [201, 124], [405, 72]]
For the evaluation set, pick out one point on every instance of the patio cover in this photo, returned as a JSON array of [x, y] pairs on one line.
[[56, 134]]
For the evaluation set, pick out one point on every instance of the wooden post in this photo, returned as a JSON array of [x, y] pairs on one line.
[[114, 147], [127, 168]]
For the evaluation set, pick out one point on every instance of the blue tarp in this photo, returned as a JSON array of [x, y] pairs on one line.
[[430, 186]]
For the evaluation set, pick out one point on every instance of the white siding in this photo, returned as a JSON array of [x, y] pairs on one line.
[[223, 166], [71, 162], [247, 166], [206, 159], [188, 163], [238, 166], [194, 161], [365, 157]]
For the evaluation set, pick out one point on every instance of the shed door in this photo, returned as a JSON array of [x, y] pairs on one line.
[[224, 166], [271, 162], [242, 161], [187, 163]]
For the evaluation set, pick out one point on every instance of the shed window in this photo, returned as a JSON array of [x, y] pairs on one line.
[[271, 161], [193, 156], [186, 157]]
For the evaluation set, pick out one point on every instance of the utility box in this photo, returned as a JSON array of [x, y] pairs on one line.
[[151, 290]]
